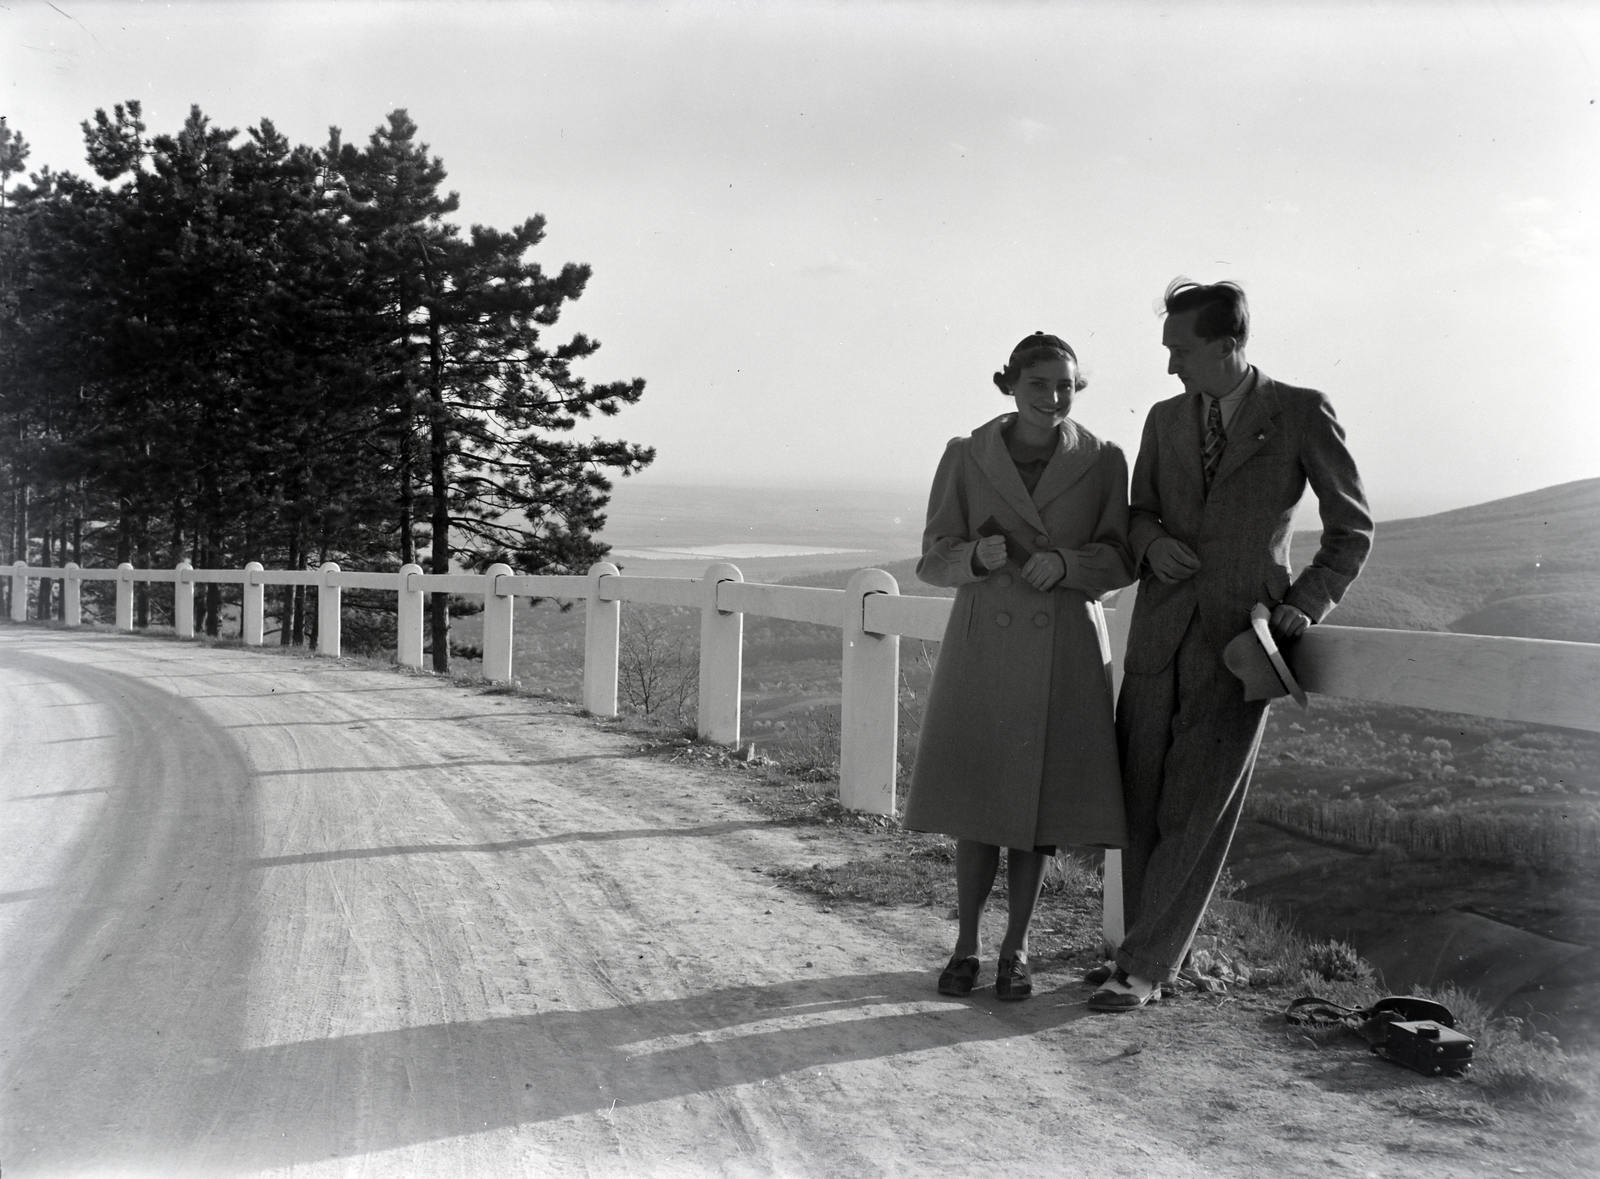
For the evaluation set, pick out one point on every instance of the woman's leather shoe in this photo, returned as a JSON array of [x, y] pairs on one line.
[[959, 976], [1012, 979]]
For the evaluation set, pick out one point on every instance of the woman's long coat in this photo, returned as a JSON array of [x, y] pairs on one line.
[[1017, 747]]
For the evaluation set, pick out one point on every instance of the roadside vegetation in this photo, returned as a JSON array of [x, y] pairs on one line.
[[1243, 949]]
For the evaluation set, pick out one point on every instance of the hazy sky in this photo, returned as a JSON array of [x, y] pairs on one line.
[[817, 229]]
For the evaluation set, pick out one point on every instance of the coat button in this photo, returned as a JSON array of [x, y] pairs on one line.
[[1042, 541], [1041, 619], [1003, 581], [1002, 619]]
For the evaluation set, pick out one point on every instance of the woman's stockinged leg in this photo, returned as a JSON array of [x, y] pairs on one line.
[[1024, 875], [976, 865]]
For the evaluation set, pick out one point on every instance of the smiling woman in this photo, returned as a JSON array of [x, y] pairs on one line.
[[1028, 521]]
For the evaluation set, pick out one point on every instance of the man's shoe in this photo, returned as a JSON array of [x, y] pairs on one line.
[[959, 976], [1013, 979], [1121, 995], [1099, 975]]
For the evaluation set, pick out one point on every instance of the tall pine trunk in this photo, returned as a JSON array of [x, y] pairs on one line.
[[213, 590], [286, 621], [408, 493], [438, 459], [141, 589]]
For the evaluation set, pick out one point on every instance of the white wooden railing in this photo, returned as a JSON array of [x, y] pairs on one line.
[[1531, 680], [870, 614]]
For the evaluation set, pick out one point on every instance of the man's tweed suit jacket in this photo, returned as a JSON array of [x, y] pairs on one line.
[[1281, 438]]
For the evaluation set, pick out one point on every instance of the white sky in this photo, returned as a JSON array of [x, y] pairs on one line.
[[817, 229]]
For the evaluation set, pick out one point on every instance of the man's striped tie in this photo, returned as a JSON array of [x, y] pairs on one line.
[[1216, 442]]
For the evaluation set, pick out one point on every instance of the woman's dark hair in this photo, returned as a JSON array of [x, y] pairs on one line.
[[1031, 350], [1222, 307]]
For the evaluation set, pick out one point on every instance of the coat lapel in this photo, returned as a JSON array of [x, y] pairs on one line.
[[1072, 459], [1181, 436], [989, 448], [1251, 427]]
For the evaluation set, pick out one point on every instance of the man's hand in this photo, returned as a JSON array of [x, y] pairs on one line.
[[1287, 622], [990, 553], [1043, 570], [1171, 560]]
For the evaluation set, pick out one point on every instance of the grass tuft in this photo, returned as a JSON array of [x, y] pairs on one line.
[[917, 879], [1334, 961]]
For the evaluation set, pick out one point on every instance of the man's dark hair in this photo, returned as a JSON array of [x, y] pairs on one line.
[[1222, 307]]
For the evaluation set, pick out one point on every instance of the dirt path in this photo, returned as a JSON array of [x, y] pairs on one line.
[[273, 916]]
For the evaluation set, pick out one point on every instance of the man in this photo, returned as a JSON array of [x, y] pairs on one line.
[[1221, 467]]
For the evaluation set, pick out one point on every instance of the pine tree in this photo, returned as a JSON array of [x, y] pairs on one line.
[[234, 350]]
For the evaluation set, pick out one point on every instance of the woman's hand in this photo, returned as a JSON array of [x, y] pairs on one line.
[[990, 553], [1043, 570]]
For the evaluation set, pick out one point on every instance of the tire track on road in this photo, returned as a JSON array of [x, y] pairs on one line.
[[144, 981]]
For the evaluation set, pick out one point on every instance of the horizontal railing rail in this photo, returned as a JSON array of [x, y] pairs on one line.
[[1530, 680]]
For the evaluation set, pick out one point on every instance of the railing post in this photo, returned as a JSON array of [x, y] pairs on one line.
[[721, 659], [252, 620], [498, 611], [1118, 622], [602, 624], [408, 639], [19, 592], [125, 596], [72, 588], [183, 601], [869, 702], [328, 612]]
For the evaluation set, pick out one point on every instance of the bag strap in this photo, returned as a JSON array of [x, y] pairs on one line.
[[1315, 1011], [1371, 1023]]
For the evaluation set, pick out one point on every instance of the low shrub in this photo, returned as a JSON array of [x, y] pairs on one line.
[[1334, 961]]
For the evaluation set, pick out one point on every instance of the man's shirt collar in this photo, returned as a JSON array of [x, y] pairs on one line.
[[1230, 400]]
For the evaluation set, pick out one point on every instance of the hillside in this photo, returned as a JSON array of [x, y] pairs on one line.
[[1527, 566]]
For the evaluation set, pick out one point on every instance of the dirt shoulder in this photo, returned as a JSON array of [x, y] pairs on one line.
[[461, 932]]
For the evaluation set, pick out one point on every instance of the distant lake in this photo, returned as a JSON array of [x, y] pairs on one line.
[[646, 521], [729, 552]]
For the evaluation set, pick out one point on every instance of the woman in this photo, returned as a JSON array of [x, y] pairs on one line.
[[1017, 746]]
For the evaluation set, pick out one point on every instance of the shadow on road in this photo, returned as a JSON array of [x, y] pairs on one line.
[[461, 764], [297, 1103], [363, 853]]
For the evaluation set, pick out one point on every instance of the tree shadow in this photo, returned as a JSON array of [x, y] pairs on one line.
[[364, 853], [301, 1102], [371, 720], [464, 763]]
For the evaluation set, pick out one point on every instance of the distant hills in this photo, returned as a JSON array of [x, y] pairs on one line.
[[645, 514], [1527, 566]]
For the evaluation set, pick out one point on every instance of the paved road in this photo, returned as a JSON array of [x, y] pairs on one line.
[[262, 914], [266, 915]]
